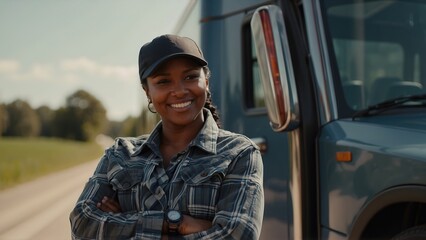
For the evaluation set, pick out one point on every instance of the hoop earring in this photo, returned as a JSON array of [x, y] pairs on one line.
[[151, 106]]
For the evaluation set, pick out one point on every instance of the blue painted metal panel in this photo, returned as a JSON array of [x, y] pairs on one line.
[[221, 43], [387, 151]]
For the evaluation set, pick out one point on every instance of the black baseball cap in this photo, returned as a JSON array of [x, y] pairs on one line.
[[165, 47]]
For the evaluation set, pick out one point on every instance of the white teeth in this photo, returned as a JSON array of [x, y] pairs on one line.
[[181, 105]]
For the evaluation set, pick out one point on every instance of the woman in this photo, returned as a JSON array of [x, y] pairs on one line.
[[188, 179]]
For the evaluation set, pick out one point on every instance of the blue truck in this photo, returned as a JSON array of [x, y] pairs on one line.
[[334, 94]]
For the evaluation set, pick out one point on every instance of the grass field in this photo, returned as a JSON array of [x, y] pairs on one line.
[[23, 159]]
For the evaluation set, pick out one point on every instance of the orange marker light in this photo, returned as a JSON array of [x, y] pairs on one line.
[[344, 156]]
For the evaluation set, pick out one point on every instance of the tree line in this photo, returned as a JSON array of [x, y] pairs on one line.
[[82, 118]]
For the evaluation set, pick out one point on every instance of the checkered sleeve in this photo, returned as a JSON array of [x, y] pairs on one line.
[[89, 222], [240, 207]]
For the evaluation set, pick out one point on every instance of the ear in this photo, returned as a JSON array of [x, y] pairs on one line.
[[146, 89]]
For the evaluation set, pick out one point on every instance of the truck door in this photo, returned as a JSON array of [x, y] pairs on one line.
[[237, 92]]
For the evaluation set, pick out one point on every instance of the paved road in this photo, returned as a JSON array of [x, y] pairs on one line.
[[40, 209]]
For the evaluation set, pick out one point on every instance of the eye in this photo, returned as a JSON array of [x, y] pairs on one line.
[[191, 77], [162, 81]]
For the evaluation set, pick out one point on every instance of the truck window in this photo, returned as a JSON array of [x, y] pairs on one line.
[[378, 49], [359, 85], [253, 89]]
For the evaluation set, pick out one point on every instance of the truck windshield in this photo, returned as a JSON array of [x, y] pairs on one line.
[[378, 50]]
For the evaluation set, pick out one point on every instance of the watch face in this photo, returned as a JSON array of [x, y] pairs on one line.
[[173, 215]]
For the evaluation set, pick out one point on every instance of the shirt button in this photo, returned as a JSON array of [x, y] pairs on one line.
[[126, 185], [158, 191], [203, 174]]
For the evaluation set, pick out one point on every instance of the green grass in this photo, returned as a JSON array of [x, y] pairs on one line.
[[24, 159]]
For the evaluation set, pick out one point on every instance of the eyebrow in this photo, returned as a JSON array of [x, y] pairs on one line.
[[159, 73]]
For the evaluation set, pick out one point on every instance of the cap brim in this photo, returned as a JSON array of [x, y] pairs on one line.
[[155, 65]]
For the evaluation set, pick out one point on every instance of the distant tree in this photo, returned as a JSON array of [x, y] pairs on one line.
[[146, 121], [114, 129], [133, 126], [62, 124], [22, 120], [46, 116], [3, 118], [142, 124], [128, 127], [83, 117]]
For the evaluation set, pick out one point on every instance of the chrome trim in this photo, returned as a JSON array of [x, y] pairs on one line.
[[320, 60], [295, 183], [291, 118]]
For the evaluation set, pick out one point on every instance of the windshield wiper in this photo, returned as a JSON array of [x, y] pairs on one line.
[[390, 104]]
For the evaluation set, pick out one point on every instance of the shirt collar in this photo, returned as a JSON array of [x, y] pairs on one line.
[[206, 138]]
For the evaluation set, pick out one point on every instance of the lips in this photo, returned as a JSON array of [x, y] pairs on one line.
[[181, 105]]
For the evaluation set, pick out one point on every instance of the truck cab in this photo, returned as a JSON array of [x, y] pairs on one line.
[[334, 94]]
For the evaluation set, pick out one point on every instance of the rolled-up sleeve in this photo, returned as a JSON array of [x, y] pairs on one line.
[[89, 222], [240, 206]]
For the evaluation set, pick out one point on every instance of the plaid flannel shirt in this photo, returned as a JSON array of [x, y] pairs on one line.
[[218, 178]]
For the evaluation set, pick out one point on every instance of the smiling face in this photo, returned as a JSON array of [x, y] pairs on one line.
[[178, 91]]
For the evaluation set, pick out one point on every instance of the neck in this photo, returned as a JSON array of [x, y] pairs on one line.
[[175, 139], [180, 136]]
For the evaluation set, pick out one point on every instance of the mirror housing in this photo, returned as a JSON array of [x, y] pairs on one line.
[[276, 68]]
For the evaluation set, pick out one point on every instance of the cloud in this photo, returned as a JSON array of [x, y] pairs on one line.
[[68, 70], [83, 64], [13, 70], [79, 64], [9, 66], [41, 72]]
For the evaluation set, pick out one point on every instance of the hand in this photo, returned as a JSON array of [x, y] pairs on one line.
[[109, 205], [188, 225], [191, 225]]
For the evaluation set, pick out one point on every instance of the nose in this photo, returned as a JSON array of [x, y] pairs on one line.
[[179, 89]]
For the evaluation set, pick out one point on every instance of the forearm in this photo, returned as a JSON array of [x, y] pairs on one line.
[[88, 222], [242, 222], [240, 207], [192, 225]]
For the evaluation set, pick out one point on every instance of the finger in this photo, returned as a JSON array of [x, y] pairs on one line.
[[111, 202], [102, 207], [111, 205], [116, 205]]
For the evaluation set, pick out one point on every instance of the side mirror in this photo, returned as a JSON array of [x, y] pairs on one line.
[[276, 68]]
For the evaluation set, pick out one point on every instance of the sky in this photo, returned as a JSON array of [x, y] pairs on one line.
[[49, 49]]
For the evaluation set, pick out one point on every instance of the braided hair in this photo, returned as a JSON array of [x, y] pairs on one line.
[[209, 103]]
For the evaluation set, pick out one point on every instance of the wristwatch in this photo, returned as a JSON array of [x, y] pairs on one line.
[[174, 219]]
